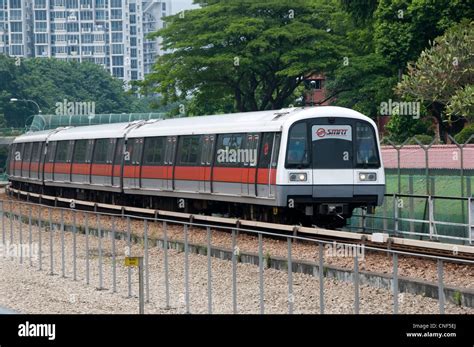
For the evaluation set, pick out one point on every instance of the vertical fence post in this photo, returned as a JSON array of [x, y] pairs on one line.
[[234, 273], [395, 283], [356, 284], [51, 247], [40, 251], [321, 278], [260, 273], [99, 235], [74, 246], [291, 297], [20, 223], [209, 272], [411, 206], [86, 220], [63, 261], [30, 237], [167, 283], [430, 216], [129, 251], [147, 274], [440, 287], [114, 260], [395, 213], [186, 267]]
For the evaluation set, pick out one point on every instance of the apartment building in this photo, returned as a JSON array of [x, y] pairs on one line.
[[111, 33]]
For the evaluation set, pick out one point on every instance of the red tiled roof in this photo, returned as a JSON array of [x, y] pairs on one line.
[[439, 157]]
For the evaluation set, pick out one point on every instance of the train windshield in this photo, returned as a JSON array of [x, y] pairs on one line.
[[340, 144], [367, 155]]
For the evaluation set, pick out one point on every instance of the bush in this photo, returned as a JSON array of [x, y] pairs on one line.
[[465, 134], [423, 138]]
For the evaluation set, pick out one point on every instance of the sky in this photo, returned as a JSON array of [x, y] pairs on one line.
[[179, 5]]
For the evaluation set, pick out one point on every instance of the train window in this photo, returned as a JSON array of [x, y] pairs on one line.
[[51, 150], [229, 147], [366, 146], [249, 157], [269, 150], [206, 152], [188, 150], [100, 151], [332, 146], [27, 154], [19, 151], [80, 151], [118, 152], [297, 152], [266, 150], [62, 150], [36, 154], [154, 150]]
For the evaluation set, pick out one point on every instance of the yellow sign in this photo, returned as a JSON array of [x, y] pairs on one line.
[[131, 261]]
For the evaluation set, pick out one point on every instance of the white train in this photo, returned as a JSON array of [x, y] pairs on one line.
[[299, 165]]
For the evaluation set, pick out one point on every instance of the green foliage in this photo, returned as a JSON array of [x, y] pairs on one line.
[[403, 28], [442, 70], [402, 127], [245, 55], [462, 103], [422, 138], [465, 134], [457, 297], [50, 81]]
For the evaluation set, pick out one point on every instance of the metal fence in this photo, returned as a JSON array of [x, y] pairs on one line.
[[53, 121], [90, 246], [446, 170], [436, 218]]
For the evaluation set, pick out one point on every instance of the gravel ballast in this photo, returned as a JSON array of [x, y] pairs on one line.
[[25, 289]]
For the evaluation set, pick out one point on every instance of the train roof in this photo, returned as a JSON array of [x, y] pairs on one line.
[[262, 121]]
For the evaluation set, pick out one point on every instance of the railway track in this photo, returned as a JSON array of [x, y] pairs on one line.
[[380, 241]]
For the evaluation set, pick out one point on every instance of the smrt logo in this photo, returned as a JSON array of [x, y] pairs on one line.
[[321, 132]]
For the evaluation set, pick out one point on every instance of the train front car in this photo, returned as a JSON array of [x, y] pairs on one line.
[[332, 165]]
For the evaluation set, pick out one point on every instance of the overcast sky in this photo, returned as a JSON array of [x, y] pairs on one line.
[[179, 5]]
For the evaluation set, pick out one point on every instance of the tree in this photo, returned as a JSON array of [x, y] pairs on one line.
[[443, 76], [245, 55], [403, 28], [50, 81]]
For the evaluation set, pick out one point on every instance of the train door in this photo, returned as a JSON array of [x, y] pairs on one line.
[[25, 163], [332, 157], [19, 151], [136, 161], [117, 163], [171, 142], [207, 151], [248, 160], [267, 164]]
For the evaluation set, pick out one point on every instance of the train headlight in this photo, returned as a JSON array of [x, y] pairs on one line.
[[298, 177], [367, 176]]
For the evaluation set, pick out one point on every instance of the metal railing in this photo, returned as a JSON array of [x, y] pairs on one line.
[[101, 235], [421, 216], [438, 169]]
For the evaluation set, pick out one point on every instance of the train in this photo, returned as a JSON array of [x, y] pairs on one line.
[[306, 166]]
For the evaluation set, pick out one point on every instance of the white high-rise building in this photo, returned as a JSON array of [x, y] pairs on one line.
[[111, 33]]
